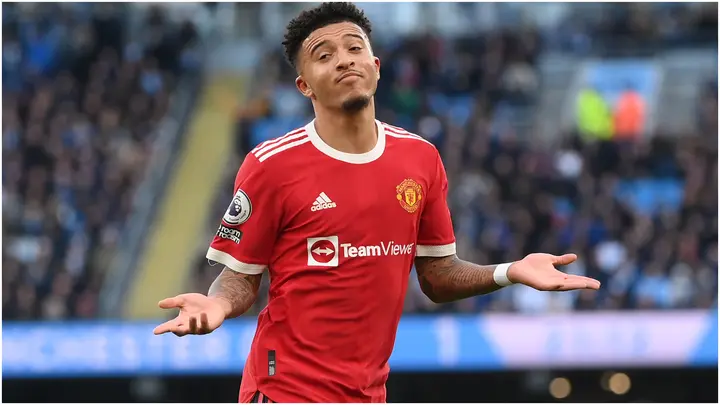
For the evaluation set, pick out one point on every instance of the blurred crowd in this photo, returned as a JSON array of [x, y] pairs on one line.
[[636, 28], [80, 102], [640, 213], [642, 216]]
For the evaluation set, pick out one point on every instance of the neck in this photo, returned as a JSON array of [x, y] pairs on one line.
[[349, 133]]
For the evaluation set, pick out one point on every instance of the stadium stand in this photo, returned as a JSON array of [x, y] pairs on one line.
[[81, 99], [80, 102]]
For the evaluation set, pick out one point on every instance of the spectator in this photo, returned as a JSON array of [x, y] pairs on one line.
[[594, 115], [629, 117]]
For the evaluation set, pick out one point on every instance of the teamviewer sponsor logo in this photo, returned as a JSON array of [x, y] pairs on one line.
[[383, 249], [326, 251], [323, 251]]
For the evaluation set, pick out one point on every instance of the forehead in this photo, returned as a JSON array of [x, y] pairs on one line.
[[333, 32]]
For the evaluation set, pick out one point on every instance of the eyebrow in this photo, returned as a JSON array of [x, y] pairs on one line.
[[321, 43]]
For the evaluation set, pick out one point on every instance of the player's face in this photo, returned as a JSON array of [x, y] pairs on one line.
[[337, 67]]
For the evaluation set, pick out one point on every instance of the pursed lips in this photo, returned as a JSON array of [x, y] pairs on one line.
[[348, 74]]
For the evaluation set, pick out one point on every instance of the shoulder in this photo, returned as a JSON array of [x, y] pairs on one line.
[[265, 155], [407, 140], [286, 145], [262, 161]]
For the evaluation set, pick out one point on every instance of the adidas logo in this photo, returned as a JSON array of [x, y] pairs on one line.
[[323, 202]]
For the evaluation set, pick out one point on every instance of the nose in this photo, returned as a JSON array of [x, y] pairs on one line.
[[344, 61]]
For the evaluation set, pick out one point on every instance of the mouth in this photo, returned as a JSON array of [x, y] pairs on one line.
[[348, 74]]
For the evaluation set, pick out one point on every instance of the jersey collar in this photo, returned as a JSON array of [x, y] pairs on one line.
[[354, 158]]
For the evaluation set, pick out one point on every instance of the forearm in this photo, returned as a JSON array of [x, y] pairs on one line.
[[446, 279], [235, 291]]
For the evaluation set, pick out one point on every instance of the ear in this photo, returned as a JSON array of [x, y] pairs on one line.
[[377, 66], [303, 87]]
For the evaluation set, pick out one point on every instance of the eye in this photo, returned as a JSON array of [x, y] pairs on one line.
[[355, 48], [324, 56]]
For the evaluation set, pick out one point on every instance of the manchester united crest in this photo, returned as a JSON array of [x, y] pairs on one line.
[[409, 194]]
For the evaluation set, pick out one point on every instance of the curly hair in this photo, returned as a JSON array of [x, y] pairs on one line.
[[323, 15]]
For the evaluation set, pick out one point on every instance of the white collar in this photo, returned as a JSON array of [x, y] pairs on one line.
[[354, 158]]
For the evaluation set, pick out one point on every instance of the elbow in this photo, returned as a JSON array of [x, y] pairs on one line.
[[434, 296], [437, 299], [433, 289]]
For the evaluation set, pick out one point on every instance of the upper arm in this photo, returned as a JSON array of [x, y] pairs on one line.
[[436, 237], [245, 239]]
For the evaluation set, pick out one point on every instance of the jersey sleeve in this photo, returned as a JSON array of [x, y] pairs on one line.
[[436, 237], [248, 230]]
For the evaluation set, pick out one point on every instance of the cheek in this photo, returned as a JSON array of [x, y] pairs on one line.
[[371, 69], [321, 78], [372, 74]]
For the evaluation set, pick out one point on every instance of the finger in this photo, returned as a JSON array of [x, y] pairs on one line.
[[169, 303], [569, 285], [193, 325], [573, 282], [204, 323], [166, 327], [564, 259], [181, 331], [591, 282]]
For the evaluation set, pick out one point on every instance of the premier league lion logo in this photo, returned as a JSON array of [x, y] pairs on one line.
[[239, 210]]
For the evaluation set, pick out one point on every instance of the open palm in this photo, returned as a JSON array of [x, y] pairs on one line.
[[538, 271], [199, 314]]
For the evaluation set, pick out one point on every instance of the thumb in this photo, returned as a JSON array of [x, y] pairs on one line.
[[564, 259], [169, 303]]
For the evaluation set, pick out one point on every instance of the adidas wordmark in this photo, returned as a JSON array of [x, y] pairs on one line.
[[323, 202]]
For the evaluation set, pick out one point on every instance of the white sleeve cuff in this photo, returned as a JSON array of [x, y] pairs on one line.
[[435, 251], [234, 264]]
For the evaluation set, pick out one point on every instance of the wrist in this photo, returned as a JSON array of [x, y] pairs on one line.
[[225, 304], [500, 275]]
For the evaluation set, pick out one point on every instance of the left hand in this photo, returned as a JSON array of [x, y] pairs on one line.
[[537, 270], [199, 314]]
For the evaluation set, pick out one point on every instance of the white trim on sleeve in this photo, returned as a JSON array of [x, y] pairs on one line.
[[435, 251], [233, 263]]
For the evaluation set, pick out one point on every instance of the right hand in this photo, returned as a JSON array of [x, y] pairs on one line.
[[199, 315]]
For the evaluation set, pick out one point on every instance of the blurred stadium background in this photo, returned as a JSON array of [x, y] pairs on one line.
[[580, 127]]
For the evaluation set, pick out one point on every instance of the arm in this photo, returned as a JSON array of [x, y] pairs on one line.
[[245, 239], [230, 295], [446, 279], [442, 276], [235, 291], [243, 243]]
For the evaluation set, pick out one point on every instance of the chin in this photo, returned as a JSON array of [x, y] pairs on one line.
[[356, 103]]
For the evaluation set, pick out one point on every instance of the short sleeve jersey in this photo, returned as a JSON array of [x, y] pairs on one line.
[[338, 234]]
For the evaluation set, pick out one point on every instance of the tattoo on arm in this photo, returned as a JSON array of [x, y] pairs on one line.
[[446, 279], [238, 289]]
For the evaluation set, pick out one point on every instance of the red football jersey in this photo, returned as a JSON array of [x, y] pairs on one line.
[[338, 233]]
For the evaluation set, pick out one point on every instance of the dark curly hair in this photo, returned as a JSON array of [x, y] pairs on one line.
[[323, 15]]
